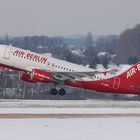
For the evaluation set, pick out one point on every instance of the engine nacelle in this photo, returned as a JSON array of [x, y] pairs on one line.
[[41, 76], [27, 77], [37, 76]]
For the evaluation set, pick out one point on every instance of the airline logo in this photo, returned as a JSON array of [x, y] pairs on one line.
[[133, 71], [30, 56]]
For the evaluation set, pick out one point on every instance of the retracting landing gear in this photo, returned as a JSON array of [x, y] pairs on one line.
[[1, 75], [1, 72], [61, 91], [53, 91]]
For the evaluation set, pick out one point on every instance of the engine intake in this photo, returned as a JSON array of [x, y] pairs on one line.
[[27, 77]]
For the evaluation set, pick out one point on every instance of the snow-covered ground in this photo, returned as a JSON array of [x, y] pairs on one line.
[[69, 107], [68, 104], [109, 120], [96, 111], [70, 129]]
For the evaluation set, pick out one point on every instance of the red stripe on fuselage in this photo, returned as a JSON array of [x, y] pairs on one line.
[[12, 68]]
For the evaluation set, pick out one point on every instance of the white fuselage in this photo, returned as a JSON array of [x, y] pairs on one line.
[[27, 60]]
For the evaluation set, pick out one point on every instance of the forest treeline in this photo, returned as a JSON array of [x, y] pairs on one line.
[[128, 50], [126, 46]]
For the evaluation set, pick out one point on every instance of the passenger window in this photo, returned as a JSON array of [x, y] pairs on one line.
[[48, 64], [52, 66]]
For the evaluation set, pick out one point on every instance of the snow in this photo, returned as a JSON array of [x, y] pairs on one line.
[[40, 47], [77, 52], [102, 53], [47, 54], [121, 68], [68, 103], [95, 128], [70, 111], [68, 107], [70, 129]]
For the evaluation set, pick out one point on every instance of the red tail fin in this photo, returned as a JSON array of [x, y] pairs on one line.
[[132, 75]]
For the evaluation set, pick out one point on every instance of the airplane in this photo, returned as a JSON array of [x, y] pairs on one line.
[[37, 68]]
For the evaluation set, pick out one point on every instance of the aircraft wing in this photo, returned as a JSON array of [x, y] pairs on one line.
[[73, 76]]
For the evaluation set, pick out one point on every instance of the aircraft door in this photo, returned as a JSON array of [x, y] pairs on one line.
[[116, 83], [7, 53]]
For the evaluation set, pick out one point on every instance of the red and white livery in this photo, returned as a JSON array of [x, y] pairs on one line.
[[46, 69]]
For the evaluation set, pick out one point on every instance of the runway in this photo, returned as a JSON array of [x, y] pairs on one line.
[[69, 120], [68, 109]]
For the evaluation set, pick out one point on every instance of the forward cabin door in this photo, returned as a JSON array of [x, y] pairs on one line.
[[7, 52]]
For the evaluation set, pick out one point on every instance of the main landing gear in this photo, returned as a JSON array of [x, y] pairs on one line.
[[1, 72], [54, 91]]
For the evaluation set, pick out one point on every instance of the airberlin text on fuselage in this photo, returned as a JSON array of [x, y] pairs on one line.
[[133, 71], [30, 56]]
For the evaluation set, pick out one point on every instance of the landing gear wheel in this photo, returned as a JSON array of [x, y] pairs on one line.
[[1, 74], [62, 92], [53, 91]]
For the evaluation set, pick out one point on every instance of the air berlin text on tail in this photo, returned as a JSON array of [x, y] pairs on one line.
[[133, 71]]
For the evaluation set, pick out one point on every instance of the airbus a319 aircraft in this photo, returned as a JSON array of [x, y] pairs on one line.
[[37, 68]]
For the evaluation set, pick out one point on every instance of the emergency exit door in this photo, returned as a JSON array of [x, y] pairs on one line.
[[7, 53], [116, 83]]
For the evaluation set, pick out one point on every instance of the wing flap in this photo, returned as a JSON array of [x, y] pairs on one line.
[[72, 76]]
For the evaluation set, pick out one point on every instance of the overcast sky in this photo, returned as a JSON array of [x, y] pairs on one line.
[[66, 17]]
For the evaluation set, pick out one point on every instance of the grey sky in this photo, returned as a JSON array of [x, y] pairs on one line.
[[65, 17]]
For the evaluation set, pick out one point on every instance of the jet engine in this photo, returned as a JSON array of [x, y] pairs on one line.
[[27, 77], [37, 76], [41, 76]]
